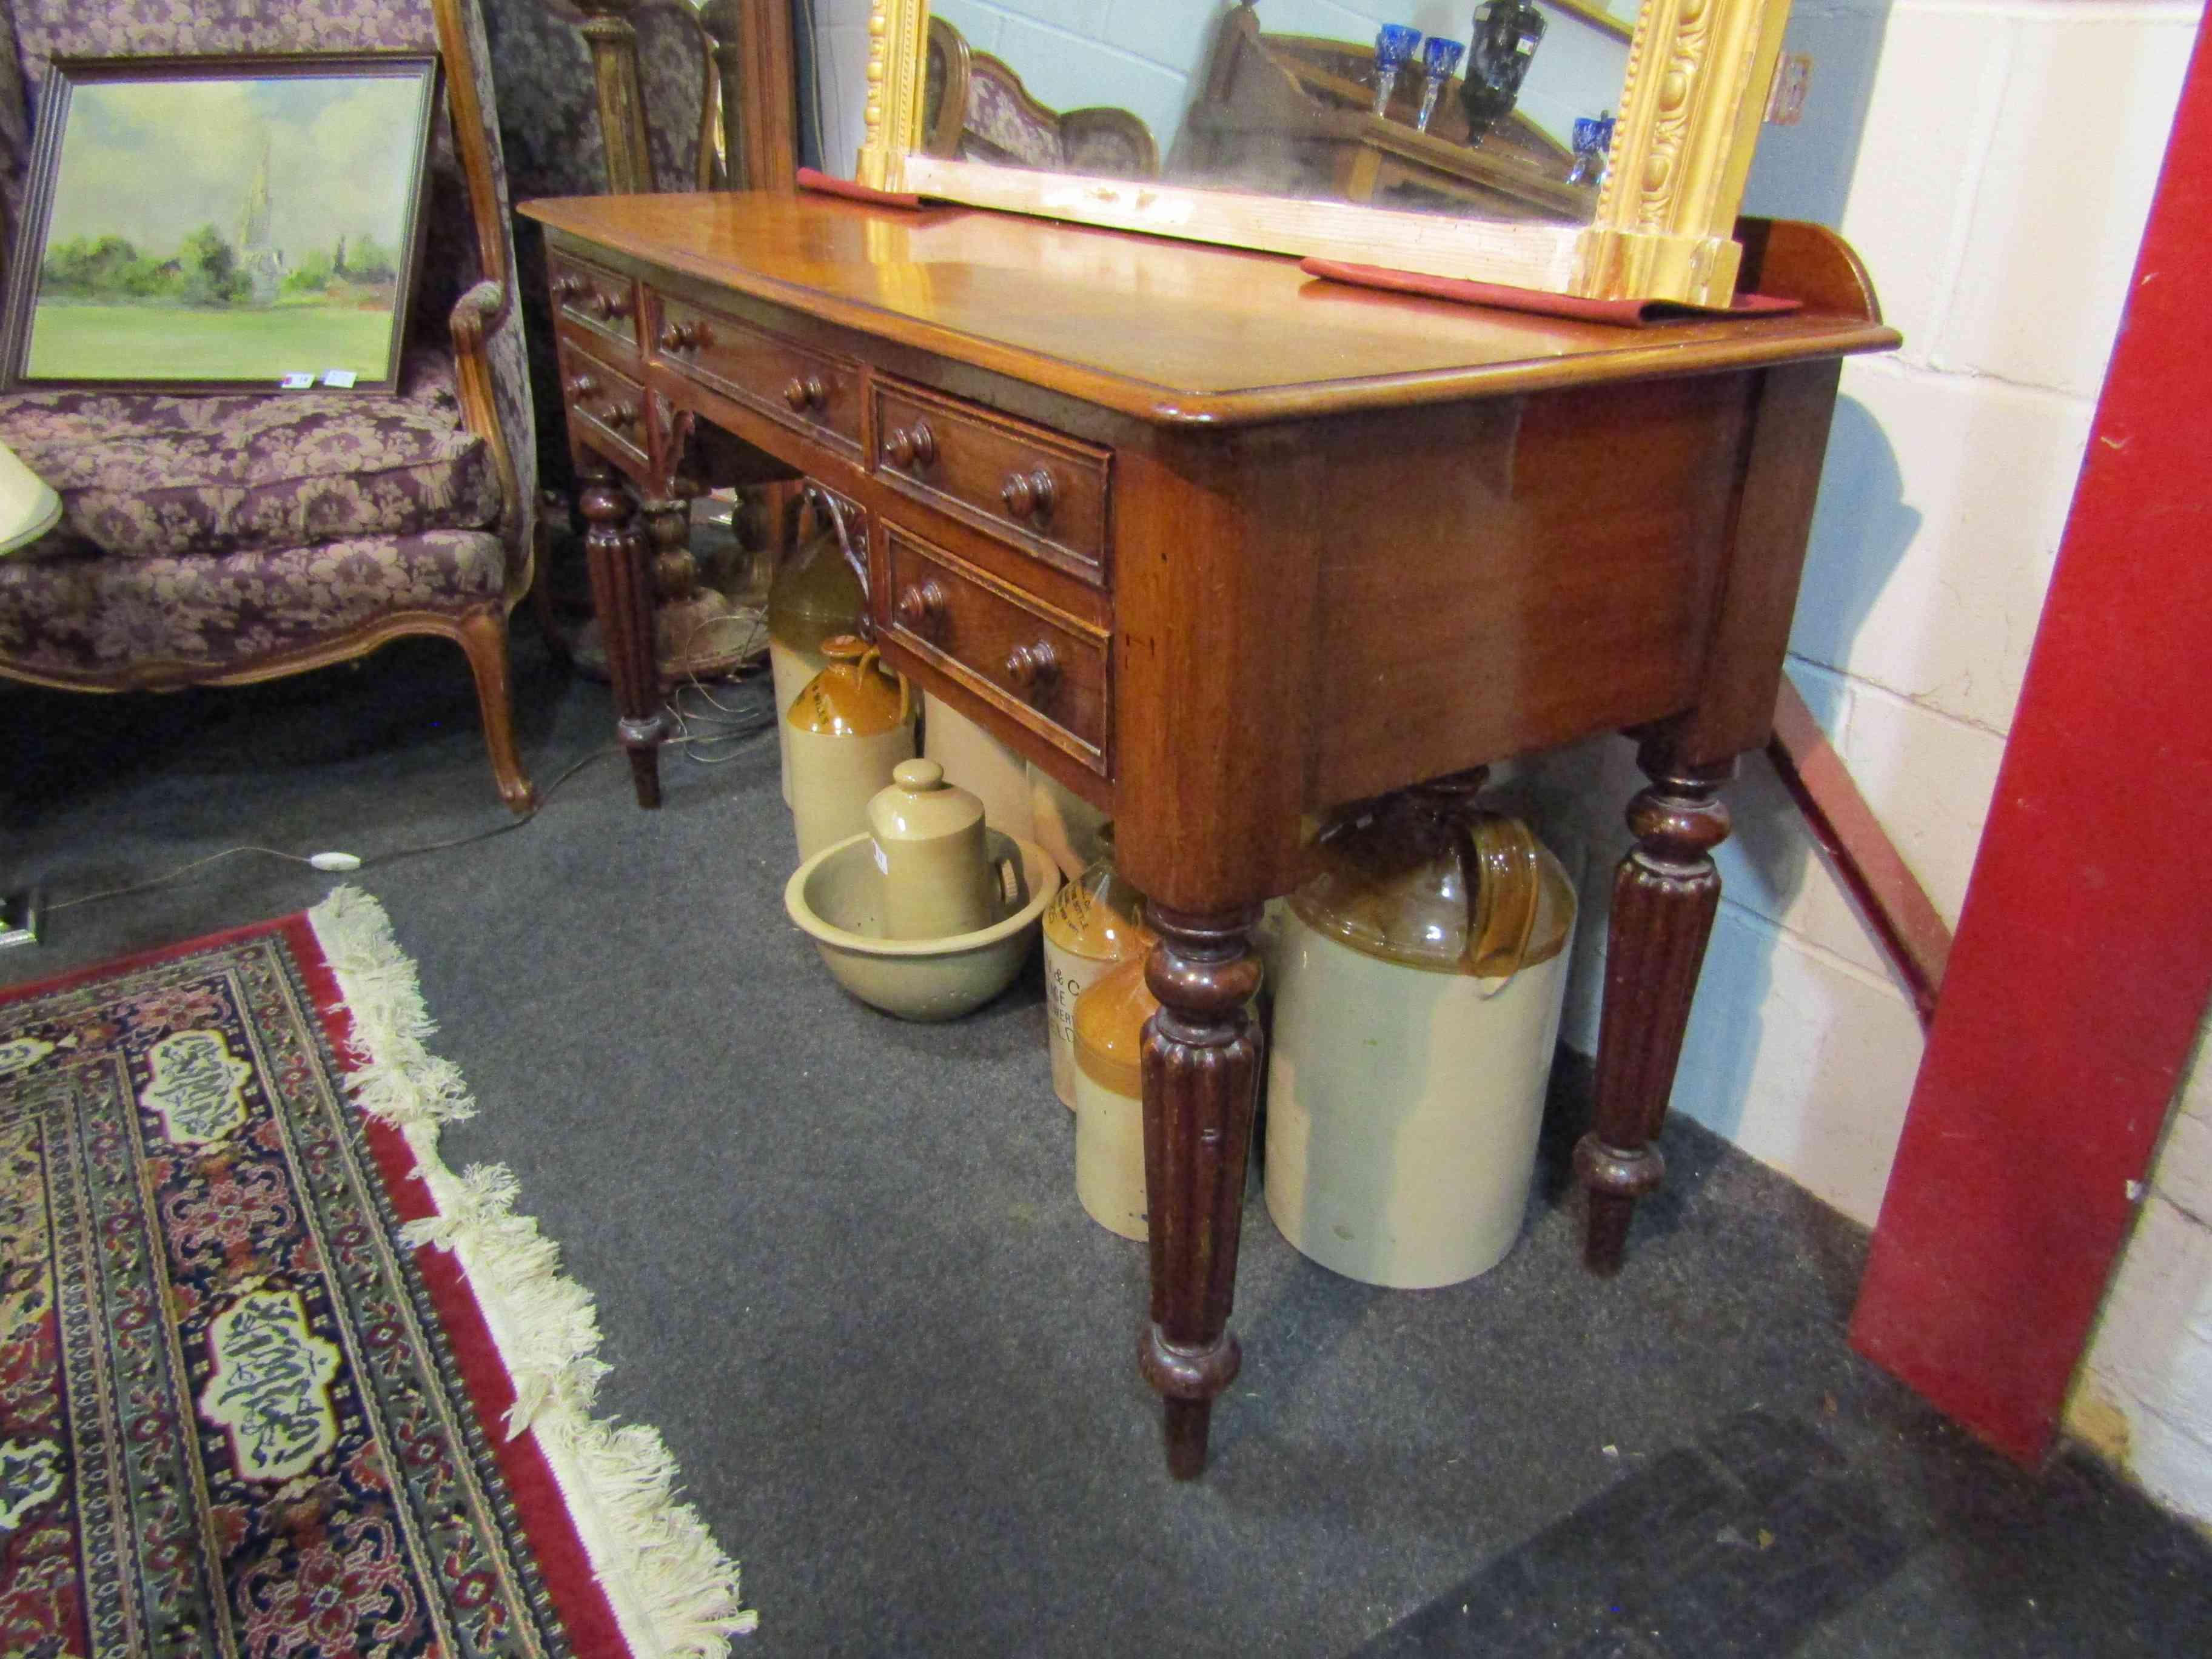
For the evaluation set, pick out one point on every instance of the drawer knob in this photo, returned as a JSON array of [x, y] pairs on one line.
[[583, 387], [568, 287], [806, 392], [1032, 668], [686, 337], [607, 307], [622, 415], [1028, 494], [922, 606], [912, 446]]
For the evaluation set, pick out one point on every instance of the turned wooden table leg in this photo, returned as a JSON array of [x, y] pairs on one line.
[[622, 588], [1201, 1073], [1664, 897]]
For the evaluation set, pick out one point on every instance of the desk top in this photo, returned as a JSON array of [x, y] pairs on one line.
[[1179, 332]]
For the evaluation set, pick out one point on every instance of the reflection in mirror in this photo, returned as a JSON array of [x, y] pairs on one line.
[[1497, 110], [1295, 127]]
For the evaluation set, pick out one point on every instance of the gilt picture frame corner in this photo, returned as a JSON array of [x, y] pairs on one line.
[[222, 223], [1688, 117]]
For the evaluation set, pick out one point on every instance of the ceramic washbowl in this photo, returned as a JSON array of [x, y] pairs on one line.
[[836, 897]]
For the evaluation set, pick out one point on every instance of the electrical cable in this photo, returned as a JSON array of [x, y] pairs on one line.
[[180, 871], [693, 732], [370, 862]]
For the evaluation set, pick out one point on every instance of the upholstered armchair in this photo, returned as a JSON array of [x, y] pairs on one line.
[[228, 538], [974, 107]]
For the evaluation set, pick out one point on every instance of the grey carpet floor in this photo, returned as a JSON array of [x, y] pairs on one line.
[[840, 1265]]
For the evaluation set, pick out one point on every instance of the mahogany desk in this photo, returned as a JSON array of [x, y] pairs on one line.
[[1217, 545]]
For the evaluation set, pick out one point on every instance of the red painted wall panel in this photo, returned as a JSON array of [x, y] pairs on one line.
[[2084, 953]]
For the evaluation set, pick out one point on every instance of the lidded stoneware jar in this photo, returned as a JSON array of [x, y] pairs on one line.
[[1109, 1098], [1095, 922], [938, 879], [850, 726], [815, 597], [1420, 978]]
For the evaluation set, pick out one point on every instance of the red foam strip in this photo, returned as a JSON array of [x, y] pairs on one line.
[[1622, 313], [822, 184]]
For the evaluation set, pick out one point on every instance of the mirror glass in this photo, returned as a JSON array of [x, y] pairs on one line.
[[1493, 109]]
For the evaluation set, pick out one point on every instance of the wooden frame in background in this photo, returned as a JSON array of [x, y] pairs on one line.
[[1699, 72]]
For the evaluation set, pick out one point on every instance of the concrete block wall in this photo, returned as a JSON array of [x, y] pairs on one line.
[[1993, 161], [2145, 1398]]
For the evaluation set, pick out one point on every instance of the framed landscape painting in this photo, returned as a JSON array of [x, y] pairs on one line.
[[220, 223]]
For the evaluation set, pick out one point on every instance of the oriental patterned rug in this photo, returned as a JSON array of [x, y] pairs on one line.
[[274, 1381]]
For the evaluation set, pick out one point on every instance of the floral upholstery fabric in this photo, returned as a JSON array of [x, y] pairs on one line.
[[14, 121], [1007, 129], [550, 121], [167, 622], [145, 476], [671, 72], [549, 110], [999, 126], [190, 580], [1103, 151]]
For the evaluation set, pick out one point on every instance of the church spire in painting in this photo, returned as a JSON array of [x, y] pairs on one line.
[[262, 262], [253, 222]]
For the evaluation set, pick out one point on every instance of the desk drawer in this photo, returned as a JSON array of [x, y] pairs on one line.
[[606, 404], [810, 390], [1045, 668], [1045, 493], [603, 302]]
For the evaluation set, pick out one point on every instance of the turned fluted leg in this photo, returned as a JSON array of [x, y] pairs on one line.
[[1664, 897], [1201, 1072], [622, 588]]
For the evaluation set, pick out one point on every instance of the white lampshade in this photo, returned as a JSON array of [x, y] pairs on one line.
[[28, 506]]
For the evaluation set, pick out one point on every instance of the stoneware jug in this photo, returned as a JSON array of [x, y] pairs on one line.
[[850, 726], [1095, 923], [1109, 1098], [1419, 980], [938, 879], [814, 596]]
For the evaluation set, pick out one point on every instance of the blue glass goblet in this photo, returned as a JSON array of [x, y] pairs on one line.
[[1393, 46], [1593, 142], [1440, 57]]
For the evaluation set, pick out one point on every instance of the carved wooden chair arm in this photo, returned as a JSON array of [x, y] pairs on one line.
[[476, 317]]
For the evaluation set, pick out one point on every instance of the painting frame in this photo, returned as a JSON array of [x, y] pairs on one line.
[[417, 74]]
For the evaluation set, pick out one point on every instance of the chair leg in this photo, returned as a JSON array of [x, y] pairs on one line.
[[483, 637]]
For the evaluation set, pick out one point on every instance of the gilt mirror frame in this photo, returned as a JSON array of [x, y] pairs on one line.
[[1695, 95]]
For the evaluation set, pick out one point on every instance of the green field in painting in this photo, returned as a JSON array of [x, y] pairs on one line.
[[89, 342]]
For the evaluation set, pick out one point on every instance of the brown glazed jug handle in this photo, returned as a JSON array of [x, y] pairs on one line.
[[873, 657], [1506, 894]]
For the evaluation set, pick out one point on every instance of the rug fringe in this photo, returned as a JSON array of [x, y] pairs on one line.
[[674, 1591]]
